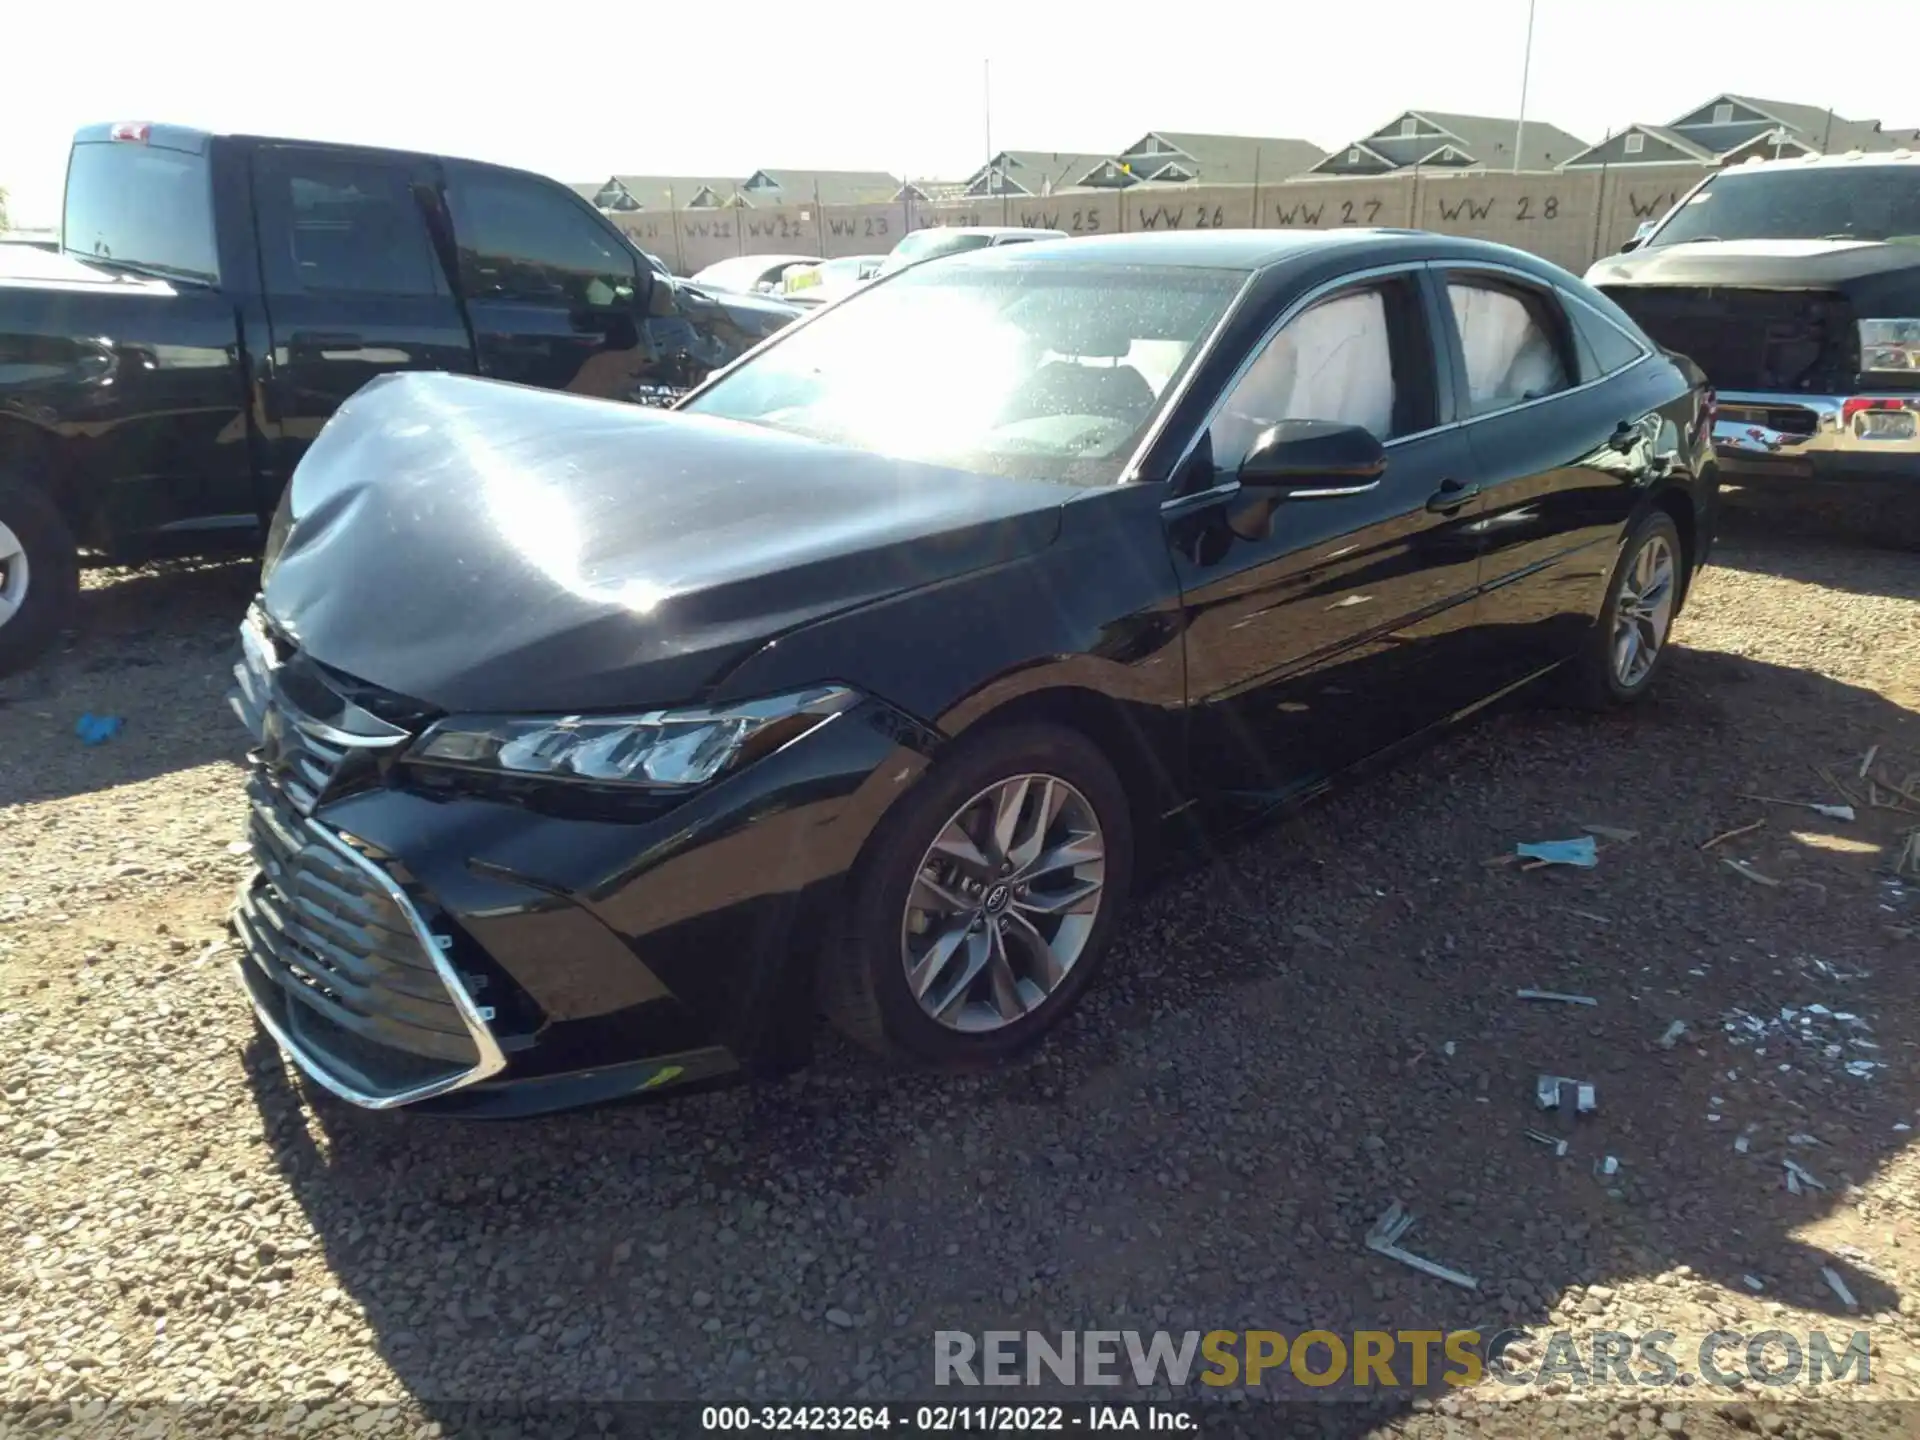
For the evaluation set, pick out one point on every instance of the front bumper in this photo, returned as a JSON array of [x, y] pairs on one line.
[[1852, 439], [478, 956]]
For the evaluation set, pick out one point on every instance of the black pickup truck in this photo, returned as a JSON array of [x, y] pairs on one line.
[[216, 297], [1795, 285]]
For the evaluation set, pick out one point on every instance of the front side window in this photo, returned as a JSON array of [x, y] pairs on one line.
[[523, 241], [989, 364], [1511, 352], [1332, 362]]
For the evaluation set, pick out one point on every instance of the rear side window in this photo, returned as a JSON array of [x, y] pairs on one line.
[[337, 225], [523, 241], [1611, 347], [1509, 343], [141, 204]]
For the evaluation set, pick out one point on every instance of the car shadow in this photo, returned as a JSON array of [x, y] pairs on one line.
[[1749, 543], [1318, 1019], [154, 648]]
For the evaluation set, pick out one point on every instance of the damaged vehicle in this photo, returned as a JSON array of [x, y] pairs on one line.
[[598, 749], [1795, 284]]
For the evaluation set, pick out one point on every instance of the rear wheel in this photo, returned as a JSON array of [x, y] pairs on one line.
[[985, 901], [39, 573], [1627, 649]]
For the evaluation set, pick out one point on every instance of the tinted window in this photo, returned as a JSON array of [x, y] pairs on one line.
[[1332, 362], [1511, 351], [521, 240], [1009, 368], [1612, 348], [143, 205], [1859, 202], [343, 225]]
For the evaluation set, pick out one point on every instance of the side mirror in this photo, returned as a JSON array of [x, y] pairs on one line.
[[1300, 459], [1640, 234]]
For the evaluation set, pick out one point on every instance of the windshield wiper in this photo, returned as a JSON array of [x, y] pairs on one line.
[[146, 268]]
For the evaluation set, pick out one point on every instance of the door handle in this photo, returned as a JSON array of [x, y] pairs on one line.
[[1451, 495]]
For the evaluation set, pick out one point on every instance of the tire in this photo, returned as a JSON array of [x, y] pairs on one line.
[[894, 915], [39, 574], [1599, 677]]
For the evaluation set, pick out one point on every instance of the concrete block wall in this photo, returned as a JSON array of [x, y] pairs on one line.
[[1568, 217]]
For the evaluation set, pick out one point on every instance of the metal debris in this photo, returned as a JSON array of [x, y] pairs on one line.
[[1554, 1143], [1839, 1287], [1556, 995], [1612, 832], [1673, 1034], [1832, 812], [1741, 867], [1449, 1048], [1801, 1137], [1866, 761], [1753, 1282], [1384, 1239], [1796, 1171], [1551, 1091]]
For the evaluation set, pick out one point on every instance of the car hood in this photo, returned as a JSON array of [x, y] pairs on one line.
[[480, 546], [1790, 264]]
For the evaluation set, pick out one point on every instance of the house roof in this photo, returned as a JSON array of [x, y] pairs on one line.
[[667, 192], [1489, 139], [1226, 159], [830, 187], [1809, 120], [1037, 172]]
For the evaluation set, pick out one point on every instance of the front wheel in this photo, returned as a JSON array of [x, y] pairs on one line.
[[39, 573], [1627, 649], [985, 900]]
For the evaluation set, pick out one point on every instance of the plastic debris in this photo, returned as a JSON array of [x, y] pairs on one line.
[[1673, 1034], [1753, 1282], [1741, 867], [1582, 852], [1740, 1144], [1449, 1048], [1550, 1092], [1606, 1165], [1866, 761], [1554, 1143], [1384, 1239], [1555, 995], [1863, 1069], [97, 729], [1839, 1287], [1612, 832], [1796, 1171], [1832, 812], [1801, 1137]]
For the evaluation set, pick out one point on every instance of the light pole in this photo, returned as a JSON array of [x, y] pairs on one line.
[[1526, 67]]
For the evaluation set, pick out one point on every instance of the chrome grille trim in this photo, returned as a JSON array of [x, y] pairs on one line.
[[491, 1059]]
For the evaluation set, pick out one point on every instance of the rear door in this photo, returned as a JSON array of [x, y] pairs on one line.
[[1349, 624], [353, 286], [556, 296], [1563, 452]]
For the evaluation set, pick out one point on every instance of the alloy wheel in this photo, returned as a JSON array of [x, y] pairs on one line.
[[1003, 903], [14, 573], [1643, 612]]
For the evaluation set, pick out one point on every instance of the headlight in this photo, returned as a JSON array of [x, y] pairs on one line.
[[661, 748], [1889, 346]]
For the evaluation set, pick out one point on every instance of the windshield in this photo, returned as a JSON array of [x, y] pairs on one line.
[[142, 205], [926, 244], [1864, 202], [1046, 371]]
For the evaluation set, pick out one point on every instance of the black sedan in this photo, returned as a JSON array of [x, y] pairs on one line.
[[600, 749]]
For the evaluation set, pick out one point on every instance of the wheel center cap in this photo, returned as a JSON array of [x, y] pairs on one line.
[[998, 898]]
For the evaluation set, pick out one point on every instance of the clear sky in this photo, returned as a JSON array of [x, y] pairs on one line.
[[581, 89]]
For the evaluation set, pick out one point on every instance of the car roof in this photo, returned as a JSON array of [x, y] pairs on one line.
[[1246, 249]]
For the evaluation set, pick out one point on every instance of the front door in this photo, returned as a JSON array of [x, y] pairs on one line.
[[556, 296], [1349, 624], [353, 288]]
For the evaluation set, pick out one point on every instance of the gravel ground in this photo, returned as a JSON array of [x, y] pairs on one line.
[[1318, 1020]]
